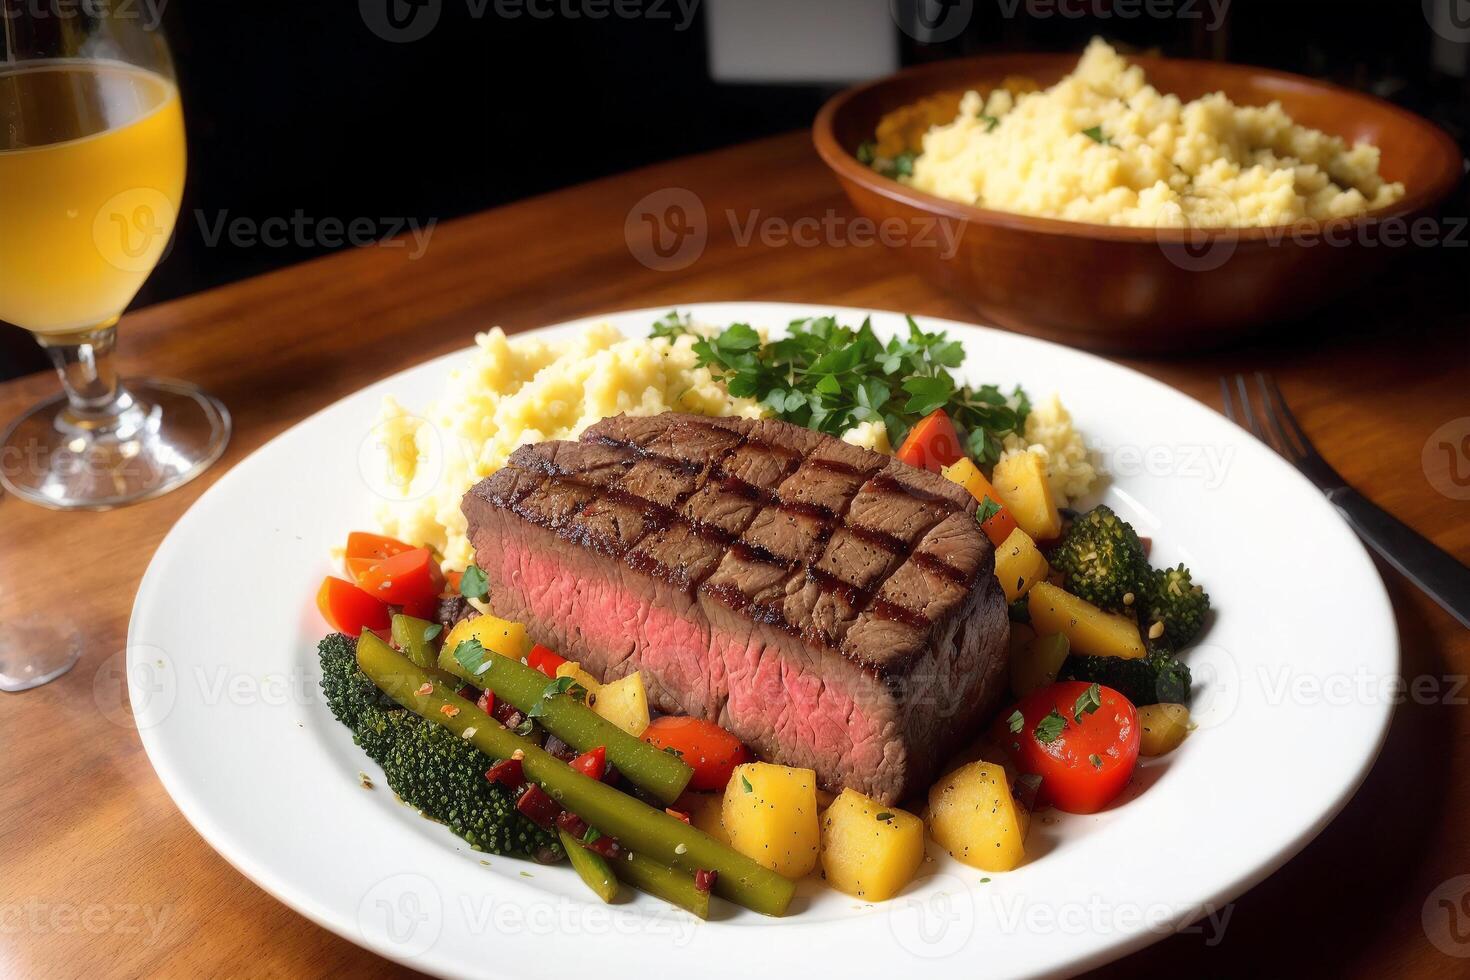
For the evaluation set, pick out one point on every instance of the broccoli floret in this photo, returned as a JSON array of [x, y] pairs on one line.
[[1156, 678], [1102, 558], [1169, 597], [429, 767]]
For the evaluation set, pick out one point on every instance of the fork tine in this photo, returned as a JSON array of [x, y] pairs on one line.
[[1290, 429], [1248, 410], [1225, 397], [1285, 445]]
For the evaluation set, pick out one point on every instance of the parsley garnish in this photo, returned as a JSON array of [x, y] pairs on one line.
[[885, 816], [829, 377], [990, 122], [1087, 702], [1015, 722], [867, 152], [433, 630], [673, 752], [472, 584], [988, 509], [472, 656], [592, 836], [562, 685], [1095, 134], [525, 728], [672, 325], [1049, 729], [1096, 760], [745, 784]]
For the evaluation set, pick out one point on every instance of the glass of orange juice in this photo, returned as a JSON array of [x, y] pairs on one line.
[[91, 175]]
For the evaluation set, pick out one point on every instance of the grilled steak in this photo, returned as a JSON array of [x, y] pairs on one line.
[[832, 607]]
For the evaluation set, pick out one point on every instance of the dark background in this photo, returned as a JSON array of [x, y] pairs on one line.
[[302, 107]]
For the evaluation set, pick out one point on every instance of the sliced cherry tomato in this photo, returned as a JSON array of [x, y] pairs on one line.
[[1084, 749], [361, 544], [425, 608], [592, 763], [411, 576], [349, 609], [451, 583], [508, 773], [709, 750], [358, 567], [544, 660], [932, 444]]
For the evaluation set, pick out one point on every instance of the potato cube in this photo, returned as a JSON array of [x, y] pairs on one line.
[[870, 850], [495, 635], [1020, 479], [624, 703], [574, 670], [1162, 727], [770, 813], [1087, 628], [974, 817], [1019, 564], [1039, 664]]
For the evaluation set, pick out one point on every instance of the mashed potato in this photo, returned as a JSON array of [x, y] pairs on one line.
[[514, 392], [1051, 435], [1104, 146]]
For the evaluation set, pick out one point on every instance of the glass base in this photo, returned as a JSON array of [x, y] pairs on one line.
[[168, 433], [33, 652]]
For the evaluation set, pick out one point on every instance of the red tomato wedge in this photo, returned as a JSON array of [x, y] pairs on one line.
[[932, 444], [349, 609], [544, 660], [710, 751], [592, 763], [408, 578], [1083, 764], [451, 583], [362, 544]]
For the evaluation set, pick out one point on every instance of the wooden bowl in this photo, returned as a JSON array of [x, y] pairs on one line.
[[1142, 289]]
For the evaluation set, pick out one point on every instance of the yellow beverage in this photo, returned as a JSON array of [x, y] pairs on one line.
[[91, 173]]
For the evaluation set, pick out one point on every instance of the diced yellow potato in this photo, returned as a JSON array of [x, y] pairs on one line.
[[1163, 728], [770, 814], [574, 670], [706, 812], [495, 634], [1019, 564], [968, 475], [1039, 664], [1020, 480], [870, 850], [1088, 629], [624, 703], [974, 817]]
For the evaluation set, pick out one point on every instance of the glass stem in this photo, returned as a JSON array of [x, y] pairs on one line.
[[97, 403]]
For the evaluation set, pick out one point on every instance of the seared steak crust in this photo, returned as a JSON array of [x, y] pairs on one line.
[[834, 607]]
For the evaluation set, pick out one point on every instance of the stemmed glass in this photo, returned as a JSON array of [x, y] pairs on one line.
[[91, 176]]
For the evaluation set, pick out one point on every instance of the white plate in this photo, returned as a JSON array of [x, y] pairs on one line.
[[1292, 704]]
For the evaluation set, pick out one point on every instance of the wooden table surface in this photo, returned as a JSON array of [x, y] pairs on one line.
[[101, 876]]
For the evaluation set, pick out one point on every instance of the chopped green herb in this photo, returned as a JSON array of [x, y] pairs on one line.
[[525, 728], [673, 752], [472, 584], [1016, 722], [988, 508], [867, 152], [745, 785], [830, 377], [673, 325], [433, 630], [1096, 760], [1095, 133], [592, 836], [990, 123], [1087, 702], [984, 881], [885, 816], [1049, 729], [472, 656]]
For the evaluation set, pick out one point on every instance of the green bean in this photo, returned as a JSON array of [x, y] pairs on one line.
[[650, 769], [661, 881], [412, 636], [636, 825], [591, 867]]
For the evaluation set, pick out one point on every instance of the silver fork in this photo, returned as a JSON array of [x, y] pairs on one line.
[[1432, 569]]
